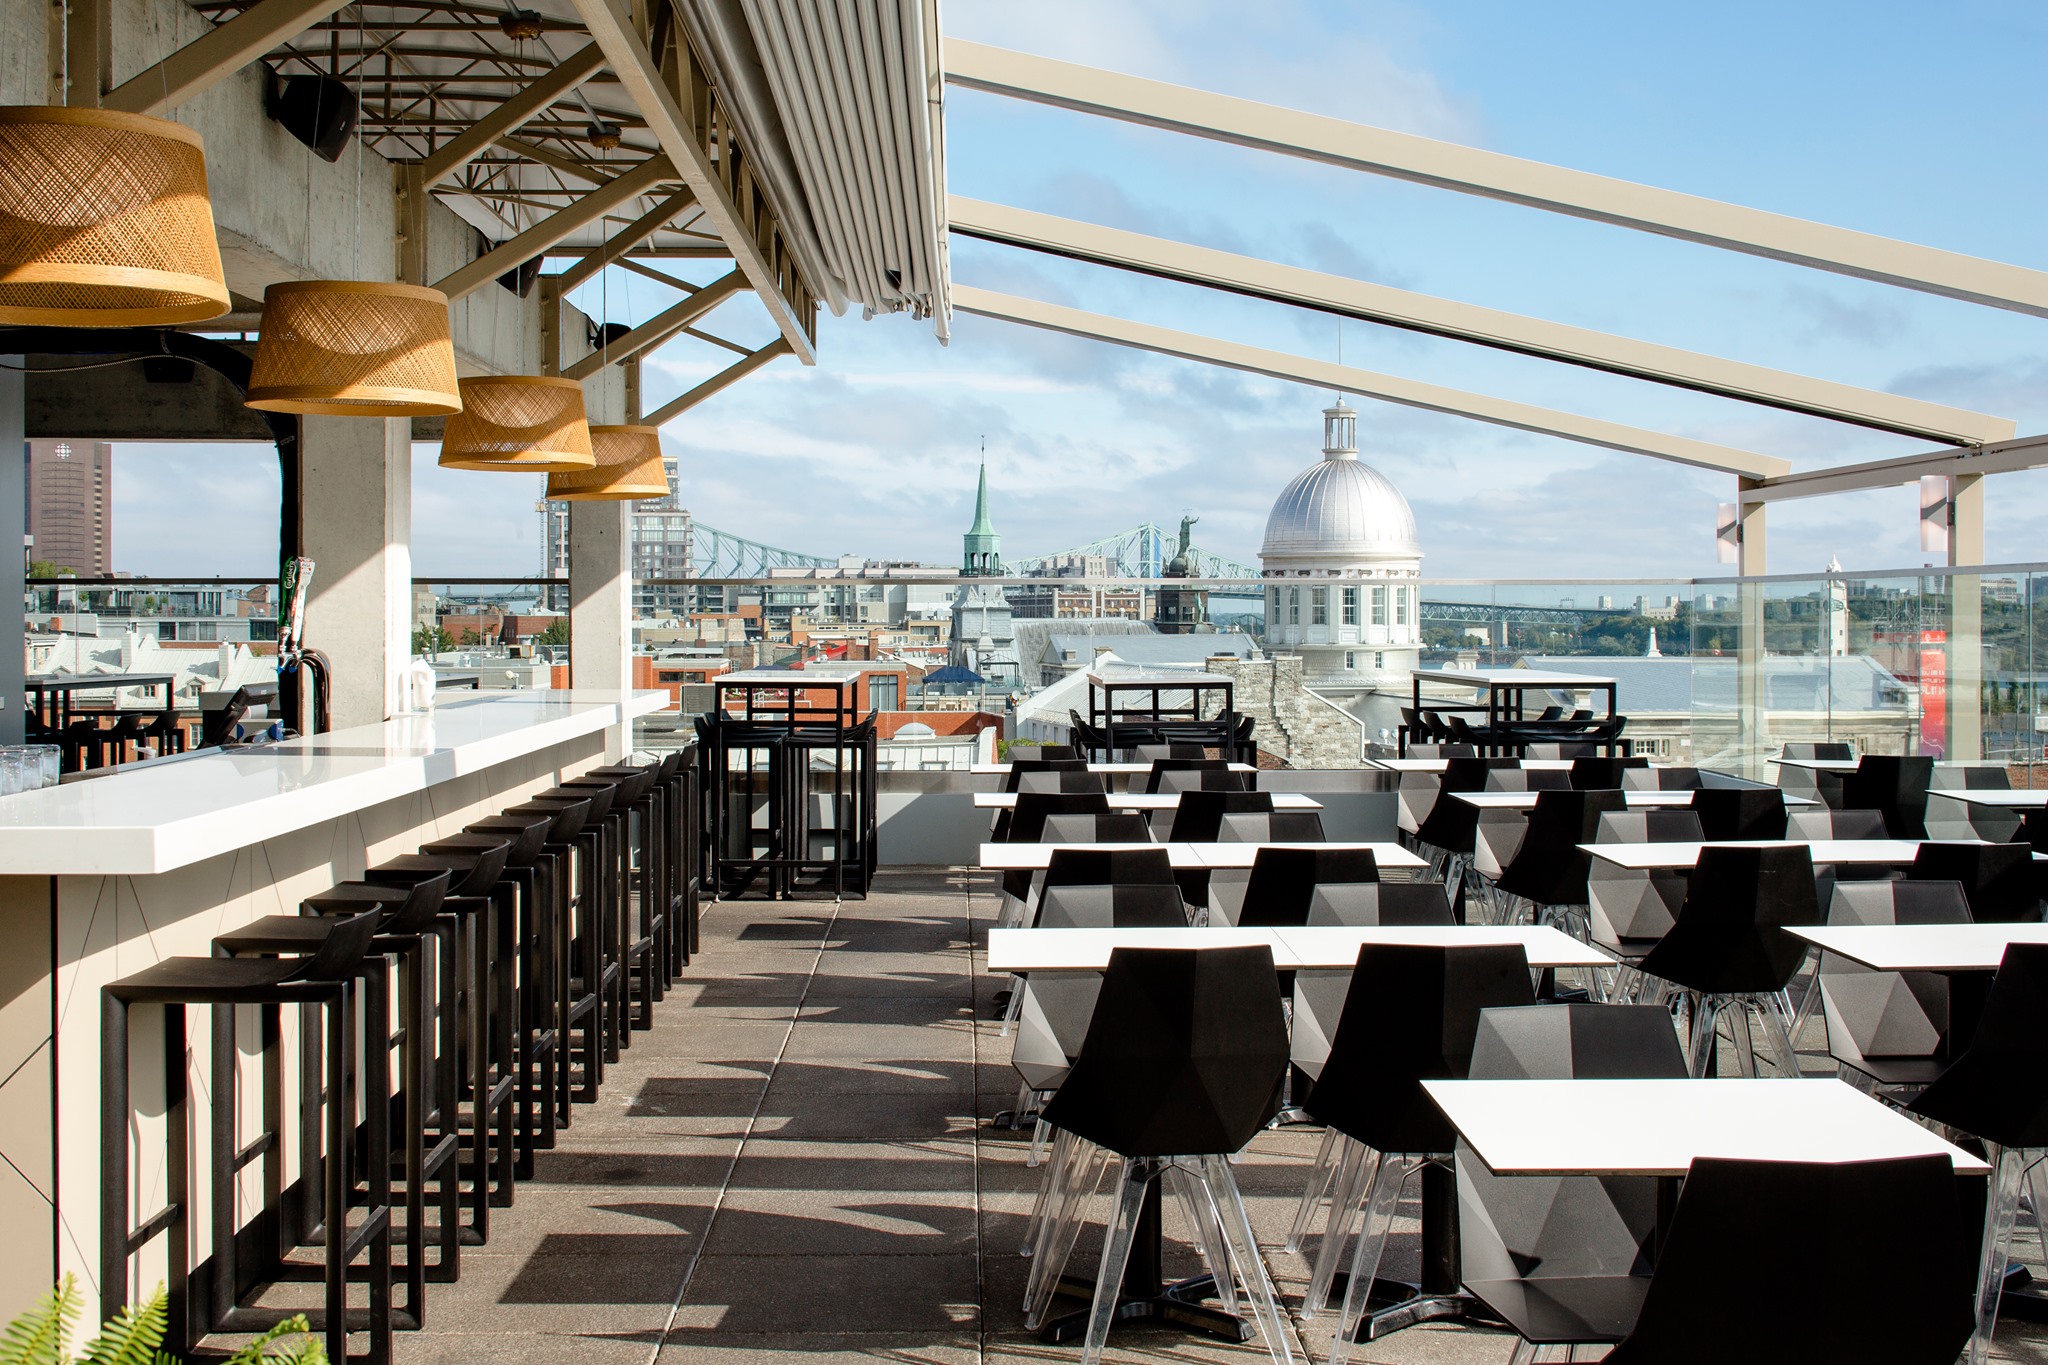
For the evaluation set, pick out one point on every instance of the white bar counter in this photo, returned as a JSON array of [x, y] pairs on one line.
[[104, 876], [156, 817]]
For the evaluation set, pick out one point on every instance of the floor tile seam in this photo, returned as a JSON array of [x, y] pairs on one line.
[[718, 1203]]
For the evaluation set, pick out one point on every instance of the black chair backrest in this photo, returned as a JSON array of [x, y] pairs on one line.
[[1070, 781], [1410, 1015], [569, 817], [1296, 826], [2034, 830], [1894, 785], [1183, 765], [1027, 819], [1112, 907], [1021, 766], [1199, 816], [1881, 1250], [1727, 938], [1833, 752], [1283, 882], [1118, 827], [1596, 774], [1998, 1089], [1728, 813], [1109, 867], [216, 726], [1549, 867], [1577, 1042], [1057, 752], [1551, 713], [342, 951], [1998, 880], [1421, 905], [1184, 1055], [1649, 827]]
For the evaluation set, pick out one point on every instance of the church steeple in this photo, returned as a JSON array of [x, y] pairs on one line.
[[981, 548]]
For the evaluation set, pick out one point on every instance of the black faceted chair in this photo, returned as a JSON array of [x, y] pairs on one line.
[[1181, 1067], [1999, 880], [1162, 767], [1563, 1259], [1997, 1092], [1272, 827], [1410, 1015], [1593, 773], [1283, 882], [1204, 780], [1024, 823], [1649, 827], [1082, 781], [1822, 822], [1022, 767], [1448, 831], [1108, 867], [1895, 786], [1638, 775], [1727, 951], [1548, 872], [1732, 813], [1054, 1007], [2034, 830], [1831, 1263], [1838, 752], [1198, 819], [1319, 992], [1888, 1029]]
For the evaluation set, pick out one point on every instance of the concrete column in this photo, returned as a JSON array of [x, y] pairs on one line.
[[356, 487], [1966, 620], [601, 600], [1751, 705], [13, 528]]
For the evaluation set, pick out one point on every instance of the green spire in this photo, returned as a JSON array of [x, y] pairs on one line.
[[981, 551]]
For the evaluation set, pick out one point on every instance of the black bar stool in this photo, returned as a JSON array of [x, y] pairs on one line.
[[406, 915], [585, 977], [483, 915], [614, 895], [643, 893], [324, 982], [531, 868]]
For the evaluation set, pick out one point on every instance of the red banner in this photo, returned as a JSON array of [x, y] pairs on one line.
[[1934, 692]]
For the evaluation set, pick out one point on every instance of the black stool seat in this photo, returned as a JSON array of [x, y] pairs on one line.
[[529, 833], [569, 814], [212, 981], [475, 873]]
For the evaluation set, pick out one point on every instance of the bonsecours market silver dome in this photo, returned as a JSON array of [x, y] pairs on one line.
[[1340, 507]]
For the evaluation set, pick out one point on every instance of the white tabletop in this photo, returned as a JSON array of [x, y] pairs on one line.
[[1818, 765], [1634, 799], [1922, 947], [1022, 951], [1035, 857], [1111, 769], [1658, 1127], [2036, 799], [1506, 678], [1165, 680], [153, 817], [1145, 801], [1437, 765], [1643, 857], [788, 677]]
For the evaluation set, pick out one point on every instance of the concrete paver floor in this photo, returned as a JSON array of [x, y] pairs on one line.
[[796, 1159]]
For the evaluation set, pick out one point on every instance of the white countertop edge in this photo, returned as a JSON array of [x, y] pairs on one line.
[[142, 850]]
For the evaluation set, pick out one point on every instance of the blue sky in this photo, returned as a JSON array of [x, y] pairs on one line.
[[1920, 122]]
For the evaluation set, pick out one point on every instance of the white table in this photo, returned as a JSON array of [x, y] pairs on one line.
[[1023, 951], [1035, 857], [1659, 1127], [1146, 801], [1995, 799], [1818, 765], [1437, 765], [1654, 857], [1108, 769], [1635, 800], [1922, 947]]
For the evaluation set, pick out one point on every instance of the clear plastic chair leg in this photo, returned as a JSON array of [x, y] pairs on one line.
[[2008, 1164], [1774, 1012], [1383, 1197], [1016, 1005], [1137, 1174], [1739, 1034], [1360, 1166], [1055, 1170], [1705, 1031], [1189, 1190], [1320, 1174], [1229, 1205], [1039, 1131], [1083, 1175]]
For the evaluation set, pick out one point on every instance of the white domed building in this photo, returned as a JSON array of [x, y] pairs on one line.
[[1345, 578]]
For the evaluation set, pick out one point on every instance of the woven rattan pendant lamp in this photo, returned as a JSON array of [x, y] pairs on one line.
[[345, 348], [628, 468], [522, 423], [104, 221]]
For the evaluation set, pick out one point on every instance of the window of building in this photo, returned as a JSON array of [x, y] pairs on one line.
[[1350, 607], [1350, 659], [1319, 606], [882, 694], [1379, 660], [1273, 603], [1379, 606], [1294, 606], [1401, 606]]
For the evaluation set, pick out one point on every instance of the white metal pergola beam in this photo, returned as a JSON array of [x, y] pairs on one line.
[[217, 54], [1336, 294], [509, 117], [1387, 388], [574, 216], [660, 327], [725, 378], [629, 59], [1996, 457], [1404, 156]]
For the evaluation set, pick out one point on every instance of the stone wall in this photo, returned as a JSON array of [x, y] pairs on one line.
[[1294, 724]]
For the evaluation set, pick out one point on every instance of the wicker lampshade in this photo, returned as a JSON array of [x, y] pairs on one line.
[[628, 467], [519, 422], [347, 349], [104, 221]]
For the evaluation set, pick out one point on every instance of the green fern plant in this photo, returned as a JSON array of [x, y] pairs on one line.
[[42, 1335]]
